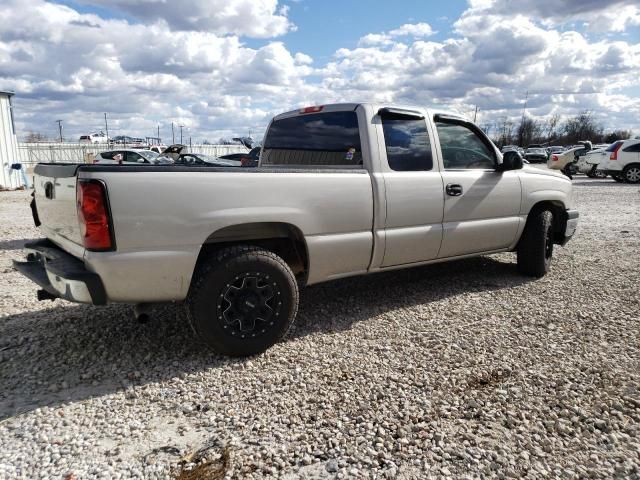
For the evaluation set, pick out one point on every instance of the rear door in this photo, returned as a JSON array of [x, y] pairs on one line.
[[413, 186], [481, 205]]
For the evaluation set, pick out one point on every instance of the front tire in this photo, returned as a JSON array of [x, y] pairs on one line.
[[535, 247], [243, 299]]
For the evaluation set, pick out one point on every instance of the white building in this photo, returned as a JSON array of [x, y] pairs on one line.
[[8, 143]]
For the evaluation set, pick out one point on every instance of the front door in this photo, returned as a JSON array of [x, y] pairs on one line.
[[481, 205]]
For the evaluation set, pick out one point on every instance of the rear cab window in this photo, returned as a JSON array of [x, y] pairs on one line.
[[407, 143], [324, 139]]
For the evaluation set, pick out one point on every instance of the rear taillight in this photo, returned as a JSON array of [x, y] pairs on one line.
[[554, 158], [614, 154], [93, 215]]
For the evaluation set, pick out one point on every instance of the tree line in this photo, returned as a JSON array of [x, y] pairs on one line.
[[551, 131]]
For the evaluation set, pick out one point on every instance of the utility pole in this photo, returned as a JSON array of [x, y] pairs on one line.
[[60, 129], [159, 142], [106, 126], [173, 135], [475, 114], [524, 111], [181, 127]]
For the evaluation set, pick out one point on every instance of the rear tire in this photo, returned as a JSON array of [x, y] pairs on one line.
[[242, 300], [631, 174], [535, 247]]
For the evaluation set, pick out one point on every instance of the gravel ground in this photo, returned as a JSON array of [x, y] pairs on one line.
[[455, 370]]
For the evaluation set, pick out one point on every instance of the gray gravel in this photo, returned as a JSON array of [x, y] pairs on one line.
[[453, 370]]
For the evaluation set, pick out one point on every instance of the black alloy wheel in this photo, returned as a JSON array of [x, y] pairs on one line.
[[242, 300]]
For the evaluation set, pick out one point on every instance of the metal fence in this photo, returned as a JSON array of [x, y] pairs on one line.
[[32, 153]]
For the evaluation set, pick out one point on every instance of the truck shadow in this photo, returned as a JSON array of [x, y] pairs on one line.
[[15, 244], [70, 353]]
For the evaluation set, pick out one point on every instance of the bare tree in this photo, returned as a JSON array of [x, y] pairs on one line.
[[550, 127], [33, 137], [529, 131], [582, 127], [617, 135]]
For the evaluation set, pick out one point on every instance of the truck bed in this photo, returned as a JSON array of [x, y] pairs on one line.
[[163, 215]]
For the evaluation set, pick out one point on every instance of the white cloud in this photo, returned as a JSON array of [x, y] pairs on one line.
[[64, 64], [416, 30], [600, 15], [252, 18], [413, 30]]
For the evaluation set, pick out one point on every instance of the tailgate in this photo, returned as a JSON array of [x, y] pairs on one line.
[[55, 195]]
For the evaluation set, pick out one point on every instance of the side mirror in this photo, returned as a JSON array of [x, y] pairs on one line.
[[511, 160], [142, 160]]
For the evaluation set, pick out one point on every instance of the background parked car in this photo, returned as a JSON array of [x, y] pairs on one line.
[[623, 162], [565, 161], [536, 155], [130, 156], [94, 138], [203, 160], [555, 149], [588, 164], [249, 159]]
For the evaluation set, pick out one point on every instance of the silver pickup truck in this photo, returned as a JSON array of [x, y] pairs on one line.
[[340, 190]]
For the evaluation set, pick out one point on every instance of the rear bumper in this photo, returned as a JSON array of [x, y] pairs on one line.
[[611, 172], [60, 274], [570, 228]]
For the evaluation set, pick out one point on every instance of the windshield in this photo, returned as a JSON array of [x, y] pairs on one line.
[[537, 150]]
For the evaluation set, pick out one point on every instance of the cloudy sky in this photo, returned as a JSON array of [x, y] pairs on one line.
[[224, 67]]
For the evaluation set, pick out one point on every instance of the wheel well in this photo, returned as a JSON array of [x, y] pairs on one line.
[[559, 216], [283, 239], [632, 164]]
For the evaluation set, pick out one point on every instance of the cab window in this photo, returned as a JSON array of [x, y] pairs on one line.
[[463, 149], [407, 143]]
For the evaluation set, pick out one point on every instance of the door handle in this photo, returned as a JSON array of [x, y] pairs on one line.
[[454, 190]]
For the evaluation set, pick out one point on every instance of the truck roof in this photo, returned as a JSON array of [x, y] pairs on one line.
[[340, 107]]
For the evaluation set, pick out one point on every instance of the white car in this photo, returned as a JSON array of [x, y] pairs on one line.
[[588, 164], [94, 138], [565, 161], [130, 156], [623, 161]]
